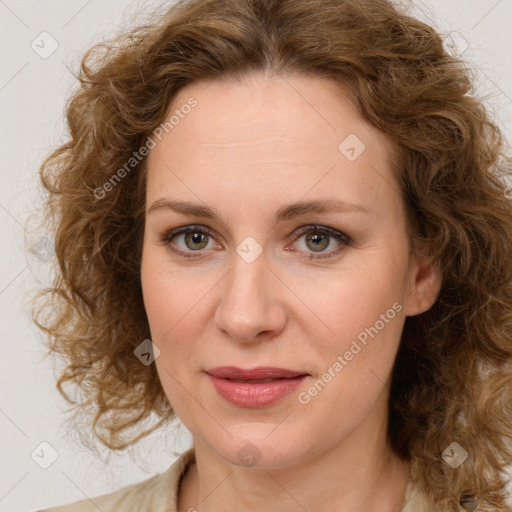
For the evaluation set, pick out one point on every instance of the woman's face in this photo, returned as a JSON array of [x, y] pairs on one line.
[[245, 287]]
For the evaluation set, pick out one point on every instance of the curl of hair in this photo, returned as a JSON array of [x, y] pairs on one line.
[[452, 377]]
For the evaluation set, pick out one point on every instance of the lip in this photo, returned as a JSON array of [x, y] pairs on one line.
[[261, 372], [255, 394]]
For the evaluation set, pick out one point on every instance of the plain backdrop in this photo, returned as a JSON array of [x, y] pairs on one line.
[[40, 43]]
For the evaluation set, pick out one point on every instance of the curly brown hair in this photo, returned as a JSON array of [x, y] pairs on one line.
[[452, 380]]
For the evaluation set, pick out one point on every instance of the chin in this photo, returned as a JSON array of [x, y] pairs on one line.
[[260, 447]]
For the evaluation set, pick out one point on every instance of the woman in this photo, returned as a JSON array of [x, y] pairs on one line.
[[287, 224]]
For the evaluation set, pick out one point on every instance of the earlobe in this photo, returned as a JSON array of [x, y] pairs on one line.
[[425, 283]]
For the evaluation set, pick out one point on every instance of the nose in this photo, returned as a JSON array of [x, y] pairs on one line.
[[251, 305]]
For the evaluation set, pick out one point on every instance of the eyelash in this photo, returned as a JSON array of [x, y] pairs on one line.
[[324, 230]]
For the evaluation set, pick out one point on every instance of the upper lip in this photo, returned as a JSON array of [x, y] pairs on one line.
[[261, 372]]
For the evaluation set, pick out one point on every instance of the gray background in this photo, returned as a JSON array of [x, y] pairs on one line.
[[33, 90]]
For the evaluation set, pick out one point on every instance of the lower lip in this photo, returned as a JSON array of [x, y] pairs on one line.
[[261, 394]]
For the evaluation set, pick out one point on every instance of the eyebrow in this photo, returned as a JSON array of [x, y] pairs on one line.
[[284, 213]]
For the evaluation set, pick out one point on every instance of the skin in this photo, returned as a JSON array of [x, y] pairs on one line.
[[248, 148]]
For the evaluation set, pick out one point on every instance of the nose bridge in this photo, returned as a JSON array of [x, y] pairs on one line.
[[249, 305]]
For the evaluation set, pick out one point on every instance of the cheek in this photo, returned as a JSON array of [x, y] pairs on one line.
[[169, 305], [361, 303], [157, 300], [166, 293], [362, 318], [176, 303]]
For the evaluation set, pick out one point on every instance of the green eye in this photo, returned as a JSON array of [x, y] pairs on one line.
[[317, 240]]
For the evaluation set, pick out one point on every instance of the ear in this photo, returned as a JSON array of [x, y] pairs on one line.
[[425, 282]]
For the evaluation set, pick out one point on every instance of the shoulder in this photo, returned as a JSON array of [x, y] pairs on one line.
[[158, 493], [416, 501]]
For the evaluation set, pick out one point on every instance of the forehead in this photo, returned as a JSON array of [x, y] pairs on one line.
[[277, 134]]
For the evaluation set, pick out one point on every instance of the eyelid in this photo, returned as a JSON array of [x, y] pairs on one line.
[[299, 232]]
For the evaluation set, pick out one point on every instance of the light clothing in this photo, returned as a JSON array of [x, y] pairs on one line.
[[160, 494]]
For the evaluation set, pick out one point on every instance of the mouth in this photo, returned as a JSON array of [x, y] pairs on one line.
[[255, 388]]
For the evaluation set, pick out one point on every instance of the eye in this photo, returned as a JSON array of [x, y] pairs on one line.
[[318, 238], [196, 238]]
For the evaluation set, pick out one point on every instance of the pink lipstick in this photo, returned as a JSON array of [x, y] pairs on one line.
[[257, 387]]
